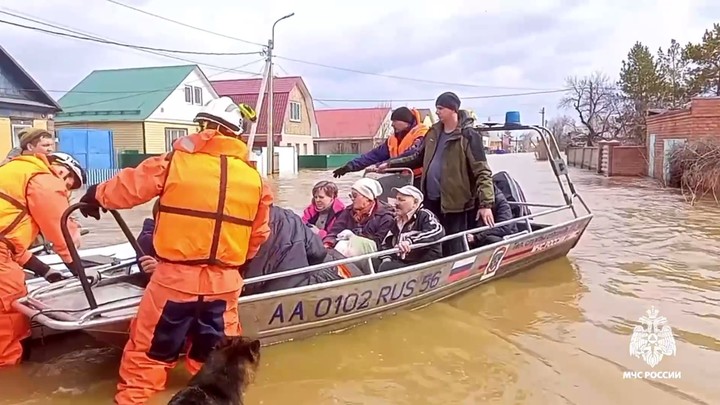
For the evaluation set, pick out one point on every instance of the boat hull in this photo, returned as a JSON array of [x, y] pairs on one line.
[[303, 312]]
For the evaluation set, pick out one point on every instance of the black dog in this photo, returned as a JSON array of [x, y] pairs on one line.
[[226, 374]]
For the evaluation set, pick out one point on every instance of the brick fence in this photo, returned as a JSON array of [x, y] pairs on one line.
[[610, 158]]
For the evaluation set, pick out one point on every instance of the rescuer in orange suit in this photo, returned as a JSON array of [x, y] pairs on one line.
[[213, 216], [33, 197], [408, 133]]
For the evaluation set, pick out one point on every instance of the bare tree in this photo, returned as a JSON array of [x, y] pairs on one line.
[[598, 105], [563, 127]]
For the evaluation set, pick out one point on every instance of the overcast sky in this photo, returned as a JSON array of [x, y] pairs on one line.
[[478, 48]]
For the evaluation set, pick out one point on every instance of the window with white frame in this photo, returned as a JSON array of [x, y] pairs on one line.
[[17, 127], [171, 134], [189, 94], [295, 111], [198, 96]]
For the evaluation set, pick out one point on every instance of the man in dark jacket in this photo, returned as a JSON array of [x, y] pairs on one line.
[[502, 211], [292, 245], [145, 238], [408, 133], [457, 178]]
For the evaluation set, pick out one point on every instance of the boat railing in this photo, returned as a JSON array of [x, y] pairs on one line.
[[369, 256]]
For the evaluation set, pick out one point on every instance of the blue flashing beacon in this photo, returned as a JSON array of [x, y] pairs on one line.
[[512, 119]]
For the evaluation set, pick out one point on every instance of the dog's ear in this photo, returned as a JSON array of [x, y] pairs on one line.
[[254, 349], [226, 342]]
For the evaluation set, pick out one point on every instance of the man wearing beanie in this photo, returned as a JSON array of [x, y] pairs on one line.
[[408, 134], [456, 178], [32, 140]]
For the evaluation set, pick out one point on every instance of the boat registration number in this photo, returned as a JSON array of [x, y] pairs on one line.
[[331, 306]]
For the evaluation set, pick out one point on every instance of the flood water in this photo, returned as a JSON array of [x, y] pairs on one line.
[[557, 334]]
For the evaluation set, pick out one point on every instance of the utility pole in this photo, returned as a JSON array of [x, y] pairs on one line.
[[258, 107], [542, 114], [270, 79]]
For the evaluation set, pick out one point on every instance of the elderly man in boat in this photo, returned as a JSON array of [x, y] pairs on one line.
[[33, 197], [213, 216], [414, 224]]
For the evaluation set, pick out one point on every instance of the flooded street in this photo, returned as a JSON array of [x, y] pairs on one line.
[[558, 334]]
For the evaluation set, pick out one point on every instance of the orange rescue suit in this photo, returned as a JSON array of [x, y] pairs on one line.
[[213, 216], [32, 199], [398, 148]]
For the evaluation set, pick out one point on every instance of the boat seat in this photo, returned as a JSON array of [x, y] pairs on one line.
[[71, 304], [98, 260]]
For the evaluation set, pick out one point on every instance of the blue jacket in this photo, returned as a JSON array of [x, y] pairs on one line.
[[377, 155], [145, 238]]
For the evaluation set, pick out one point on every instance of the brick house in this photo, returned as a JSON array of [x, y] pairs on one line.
[[352, 130], [294, 122], [699, 119]]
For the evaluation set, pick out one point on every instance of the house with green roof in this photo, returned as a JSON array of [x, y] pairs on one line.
[[23, 103], [145, 108]]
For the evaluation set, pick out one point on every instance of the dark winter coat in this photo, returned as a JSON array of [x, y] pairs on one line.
[[291, 245], [145, 238]]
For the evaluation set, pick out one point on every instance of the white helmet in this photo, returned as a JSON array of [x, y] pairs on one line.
[[224, 112], [72, 164]]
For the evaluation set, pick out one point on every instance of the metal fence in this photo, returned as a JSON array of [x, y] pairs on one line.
[[96, 176]]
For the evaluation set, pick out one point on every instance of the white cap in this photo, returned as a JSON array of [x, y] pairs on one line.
[[411, 191], [367, 187]]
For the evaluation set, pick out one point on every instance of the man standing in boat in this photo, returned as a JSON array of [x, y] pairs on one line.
[[33, 197], [408, 135], [212, 217], [456, 177]]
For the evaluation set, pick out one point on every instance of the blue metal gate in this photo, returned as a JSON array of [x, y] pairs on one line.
[[93, 148]]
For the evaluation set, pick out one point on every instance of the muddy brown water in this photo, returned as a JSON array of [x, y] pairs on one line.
[[557, 334]]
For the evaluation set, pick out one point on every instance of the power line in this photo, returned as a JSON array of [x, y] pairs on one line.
[[411, 79], [325, 65], [412, 100], [182, 23], [151, 91], [319, 100], [70, 29], [145, 92], [147, 48]]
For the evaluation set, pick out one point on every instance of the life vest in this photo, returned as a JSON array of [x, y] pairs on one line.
[[17, 228], [208, 203], [398, 148]]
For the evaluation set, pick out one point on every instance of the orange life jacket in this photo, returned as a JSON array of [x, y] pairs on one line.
[[209, 201], [398, 148], [17, 228]]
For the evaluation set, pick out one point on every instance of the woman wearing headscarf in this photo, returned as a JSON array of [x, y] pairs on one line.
[[364, 223]]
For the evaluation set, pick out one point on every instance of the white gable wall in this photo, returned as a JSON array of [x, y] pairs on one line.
[[176, 109]]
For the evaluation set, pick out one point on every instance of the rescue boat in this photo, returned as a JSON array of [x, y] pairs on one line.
[[103, 306]]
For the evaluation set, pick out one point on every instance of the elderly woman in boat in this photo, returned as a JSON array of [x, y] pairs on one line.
[[324, 208], [413, 225], [361, 227]]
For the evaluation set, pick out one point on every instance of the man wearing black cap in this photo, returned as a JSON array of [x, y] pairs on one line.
[[408, 134], [457, 179]]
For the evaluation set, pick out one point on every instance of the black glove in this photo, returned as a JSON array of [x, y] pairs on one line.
[[341, 171], [43, 270], [92, 207]]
